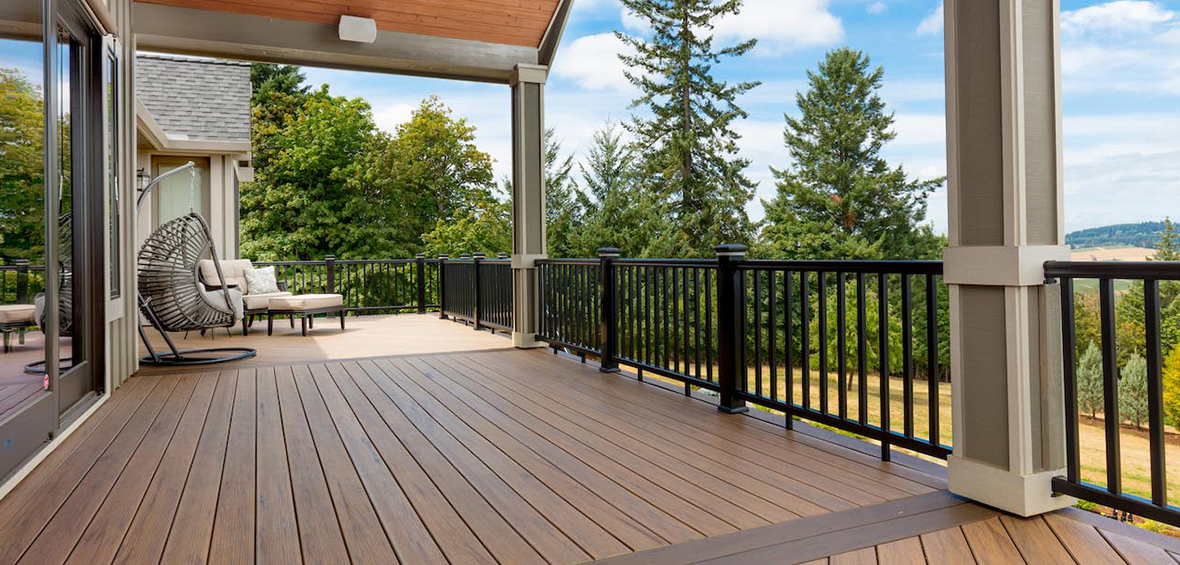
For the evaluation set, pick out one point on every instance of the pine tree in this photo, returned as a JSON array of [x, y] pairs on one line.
[[690, 161], [840, 198], [1133, 391], [563, 214], [1090, 381], [615, 212], [1168, 246], [277, 95]]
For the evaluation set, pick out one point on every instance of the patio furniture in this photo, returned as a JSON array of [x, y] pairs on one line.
[[16, 318], [255, 304], [305, 306], [173, 299]]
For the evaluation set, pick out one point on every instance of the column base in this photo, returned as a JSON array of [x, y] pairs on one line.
[[1024, 495], [527, 341], [734, 410]]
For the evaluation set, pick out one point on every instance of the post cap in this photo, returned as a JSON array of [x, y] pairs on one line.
[[502, 255], [464, 255], [479, 255], [419, 255], [731, 250], [443, 256], [330, 258], [609, 252]]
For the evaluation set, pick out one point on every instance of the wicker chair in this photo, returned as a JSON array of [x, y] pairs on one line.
[[173, 299], [65, 296]]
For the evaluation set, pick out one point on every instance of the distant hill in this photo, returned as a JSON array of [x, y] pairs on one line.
[[1132, 235]]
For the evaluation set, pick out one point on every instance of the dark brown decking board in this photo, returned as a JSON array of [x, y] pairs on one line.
[[498, 457]]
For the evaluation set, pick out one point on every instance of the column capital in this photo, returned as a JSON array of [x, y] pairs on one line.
[[999, 265], [536, 74]]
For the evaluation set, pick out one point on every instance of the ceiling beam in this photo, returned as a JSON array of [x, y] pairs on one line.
[[227, 35], [552, 38]]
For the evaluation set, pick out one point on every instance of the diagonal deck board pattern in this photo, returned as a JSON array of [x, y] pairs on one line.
[[492, 457]]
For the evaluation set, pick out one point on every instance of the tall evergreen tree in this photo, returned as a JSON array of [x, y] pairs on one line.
[[277, 94], [616, 213], [840, 198], [563, 213], [690, 161], [1168, 246]]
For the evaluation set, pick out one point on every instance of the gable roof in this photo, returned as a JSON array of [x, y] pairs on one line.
[[195, 99]]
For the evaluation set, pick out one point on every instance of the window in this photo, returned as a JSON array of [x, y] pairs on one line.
[[115, 189]]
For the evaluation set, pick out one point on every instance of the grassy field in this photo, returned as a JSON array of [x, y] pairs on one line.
[[1136, 458]]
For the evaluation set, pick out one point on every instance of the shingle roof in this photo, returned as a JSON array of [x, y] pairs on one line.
[[196, 98]]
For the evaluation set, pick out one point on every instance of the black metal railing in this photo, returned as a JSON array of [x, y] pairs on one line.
[[367, 285], [1135, 281], [849, 344], [20, 282], [477, 290], [569, 314], [812, 339]]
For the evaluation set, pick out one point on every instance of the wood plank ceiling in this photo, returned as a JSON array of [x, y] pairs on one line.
[[508, 22]]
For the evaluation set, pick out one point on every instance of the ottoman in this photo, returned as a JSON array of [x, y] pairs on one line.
[[16, 318], [305, 306]]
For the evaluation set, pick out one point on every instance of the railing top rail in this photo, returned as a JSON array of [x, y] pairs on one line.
[[568, 261], [1153, 270], [890, 267], [667, 262]]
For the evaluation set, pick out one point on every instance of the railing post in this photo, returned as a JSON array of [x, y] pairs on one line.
[[22, 281], [608, 337], [501, 255], [330, 261], [729, 338], [442, 286], [477, 311], [420, 260]]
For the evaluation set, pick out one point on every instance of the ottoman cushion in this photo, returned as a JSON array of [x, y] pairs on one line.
[[306, 302], [17, 313], [262, 301]]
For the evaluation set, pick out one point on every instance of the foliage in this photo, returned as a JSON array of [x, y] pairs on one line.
[[303, 204], [485, 227], [1168, 245], [616, 213], [1172, 388], [563, 207], [1133, 391], [22, 233], [689, 161], [276, 96], [1089, 379], [840, 198], [428, 171], [1143, 234]]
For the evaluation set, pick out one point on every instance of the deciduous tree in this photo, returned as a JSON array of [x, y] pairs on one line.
[[22, 222]]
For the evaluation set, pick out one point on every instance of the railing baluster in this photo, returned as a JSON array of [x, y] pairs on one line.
[[772, 332], [1110, 376], [822, 328], [883, 336], [788, 341], [709, 324], [933, 393], [805, 328], [907, 354], [1155, 393], [841, 349], [757, 332]]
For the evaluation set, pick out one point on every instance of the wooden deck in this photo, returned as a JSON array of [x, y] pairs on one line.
[[498, 456]]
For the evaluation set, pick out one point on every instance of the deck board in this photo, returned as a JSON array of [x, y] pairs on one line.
[[487, 457]]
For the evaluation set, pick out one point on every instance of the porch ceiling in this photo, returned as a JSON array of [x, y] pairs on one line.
[[462, 39]]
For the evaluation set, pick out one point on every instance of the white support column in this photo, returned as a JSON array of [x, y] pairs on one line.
[[1005, 195], [528, 196]]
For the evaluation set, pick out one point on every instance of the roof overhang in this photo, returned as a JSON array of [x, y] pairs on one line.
[[235, 35], [150, 131]]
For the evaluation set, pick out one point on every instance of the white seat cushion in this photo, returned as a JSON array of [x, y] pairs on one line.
[[17, 313], [306, 302], [234, 272], [262, 301]]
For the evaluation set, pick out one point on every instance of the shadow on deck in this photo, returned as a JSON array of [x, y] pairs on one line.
[[502, 456]]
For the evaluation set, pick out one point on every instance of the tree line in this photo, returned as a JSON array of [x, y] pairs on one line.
[[667, 182]]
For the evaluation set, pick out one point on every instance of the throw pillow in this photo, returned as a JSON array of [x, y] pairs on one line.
[[261, 281]]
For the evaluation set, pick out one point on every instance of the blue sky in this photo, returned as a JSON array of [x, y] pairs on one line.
[[1121, 83]]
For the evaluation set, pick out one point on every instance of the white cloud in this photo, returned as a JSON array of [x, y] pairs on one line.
[[592, 61], [1121, 16], [782, 25], [932, 23], [389, 116], [877, 7]]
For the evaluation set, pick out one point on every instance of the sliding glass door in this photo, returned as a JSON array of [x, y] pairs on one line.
[[51, 210]]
